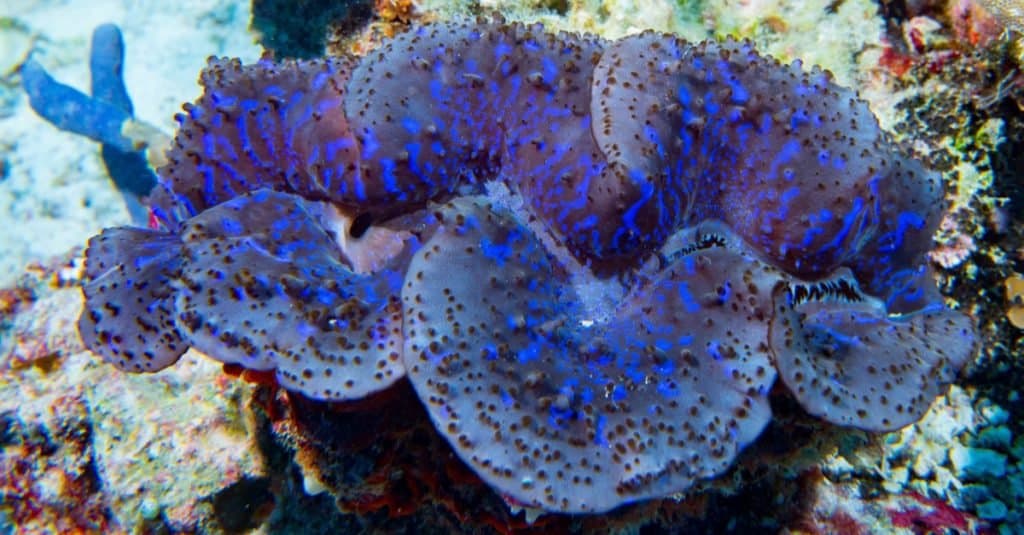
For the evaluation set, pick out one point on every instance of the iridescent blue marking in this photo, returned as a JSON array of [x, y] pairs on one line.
[[799, 118], [235, 177], [324, 296], [710, 106], [829, 339], [332, 148], [242, 126], [683, 95], [785, 154], [501, 49], [209, 183], [506, 399], [370, 143], [646, 192], [267, 127], [668, 389], [209, 145], [600, 423], [326, 105], [787, 197], [549, 67], [714, 349], [319, 80], [305, 330], [689, 303], [499, 253], [412, 126], [893, 240], [857, 221], [390, 180], [219, 101], [667, 367]]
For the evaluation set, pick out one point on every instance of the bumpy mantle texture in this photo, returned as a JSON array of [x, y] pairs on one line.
[[591, 258]]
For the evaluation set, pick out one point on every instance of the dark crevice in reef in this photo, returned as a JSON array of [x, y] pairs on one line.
[[388, 468], [1007, 166], [294, 511], [893, 12], [243, 505], [299, 28], [1000, 375]]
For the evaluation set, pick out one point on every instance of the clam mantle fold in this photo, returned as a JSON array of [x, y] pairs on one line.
[[592, 259]]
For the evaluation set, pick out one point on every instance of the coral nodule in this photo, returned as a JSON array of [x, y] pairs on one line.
[[592, 259]]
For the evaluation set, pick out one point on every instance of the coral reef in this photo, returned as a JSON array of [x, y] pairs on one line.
[[942, 76], [49, 470], [1009, 13], [78, 445], [619, 322]]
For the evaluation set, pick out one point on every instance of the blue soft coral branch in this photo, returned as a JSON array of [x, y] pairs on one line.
[[128, 169], [71, 110], [105, 63], [100, 117]]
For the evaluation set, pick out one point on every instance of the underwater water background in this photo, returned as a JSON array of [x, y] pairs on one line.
[[224, 444]]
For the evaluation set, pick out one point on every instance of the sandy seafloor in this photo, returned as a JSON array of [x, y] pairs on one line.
[[54, 193], [132, 453]]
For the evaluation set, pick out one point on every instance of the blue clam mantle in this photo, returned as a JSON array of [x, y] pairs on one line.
[[591, 258]]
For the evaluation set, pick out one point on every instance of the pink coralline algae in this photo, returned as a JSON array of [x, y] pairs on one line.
[[591, 259]]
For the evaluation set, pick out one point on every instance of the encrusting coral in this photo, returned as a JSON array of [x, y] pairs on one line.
[[590, 258]]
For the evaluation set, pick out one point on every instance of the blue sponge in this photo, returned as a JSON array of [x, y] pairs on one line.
[[100, 117]]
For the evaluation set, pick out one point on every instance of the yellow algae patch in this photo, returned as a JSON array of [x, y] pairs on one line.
[[1015, 300]]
